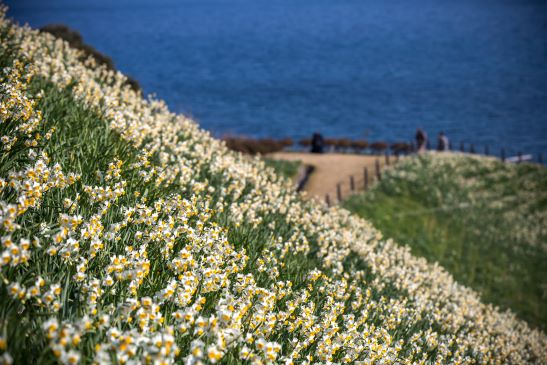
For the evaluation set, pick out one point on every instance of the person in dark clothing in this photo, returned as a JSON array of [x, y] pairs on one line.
[[421, 140], [317, 143], [442, 142]]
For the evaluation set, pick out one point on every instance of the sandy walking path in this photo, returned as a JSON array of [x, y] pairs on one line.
[[332, 169]]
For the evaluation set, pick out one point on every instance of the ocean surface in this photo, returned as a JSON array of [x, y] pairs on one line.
[[364, 69]]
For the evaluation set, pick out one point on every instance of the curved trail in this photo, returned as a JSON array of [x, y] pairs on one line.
[[334, 168]]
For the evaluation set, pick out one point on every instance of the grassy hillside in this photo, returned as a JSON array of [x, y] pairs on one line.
[[482, 220], [285, 168], [129, 235]]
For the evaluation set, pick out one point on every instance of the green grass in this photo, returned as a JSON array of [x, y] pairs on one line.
[[484, 221], [284, 168]]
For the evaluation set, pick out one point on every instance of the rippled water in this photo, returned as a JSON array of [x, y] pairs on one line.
[[373, 69]]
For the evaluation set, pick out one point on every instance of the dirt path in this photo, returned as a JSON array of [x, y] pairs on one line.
[[332, 169]]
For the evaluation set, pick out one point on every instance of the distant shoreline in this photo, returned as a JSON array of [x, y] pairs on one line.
[[265, 146]]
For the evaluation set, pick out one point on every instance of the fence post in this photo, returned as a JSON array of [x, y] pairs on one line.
[[503, 154], [339, 192], [396, 157], [486, 151], [387, 158], [327, 199], [366, 178], [352, 183], [378, 174], [462, 147]]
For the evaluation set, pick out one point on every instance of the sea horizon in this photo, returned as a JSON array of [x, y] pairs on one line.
[[362, 70]]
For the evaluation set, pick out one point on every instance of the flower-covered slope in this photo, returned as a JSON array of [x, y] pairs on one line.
[[129, 235]]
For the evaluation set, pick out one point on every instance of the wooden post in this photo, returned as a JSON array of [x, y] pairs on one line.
[[462, 147], [366, 178], [472, 148], [503, 154], [396, 157], [378, 174], [327, 199], [352, 183], [339, 192], [486, 151], [387, 158]]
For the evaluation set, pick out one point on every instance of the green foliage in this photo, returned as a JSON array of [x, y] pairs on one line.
[[288, 169], [481, 219]]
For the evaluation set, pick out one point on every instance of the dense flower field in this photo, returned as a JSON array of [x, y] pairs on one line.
[[129, 235]]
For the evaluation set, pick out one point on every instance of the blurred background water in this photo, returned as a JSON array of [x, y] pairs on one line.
[[364, 69]]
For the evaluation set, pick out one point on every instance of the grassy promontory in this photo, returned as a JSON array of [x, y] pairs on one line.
[[483, 220], [129, 235]]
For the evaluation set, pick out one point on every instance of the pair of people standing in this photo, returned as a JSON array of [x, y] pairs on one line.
[[421, 141]]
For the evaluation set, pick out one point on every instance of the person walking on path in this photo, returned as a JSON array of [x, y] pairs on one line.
[[442, 142], [317, 143], [421, 140]]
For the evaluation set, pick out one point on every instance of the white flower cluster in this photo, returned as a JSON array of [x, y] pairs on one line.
[[123, 275]]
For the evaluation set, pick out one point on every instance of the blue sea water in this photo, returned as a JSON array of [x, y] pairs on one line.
[[367, 69]]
